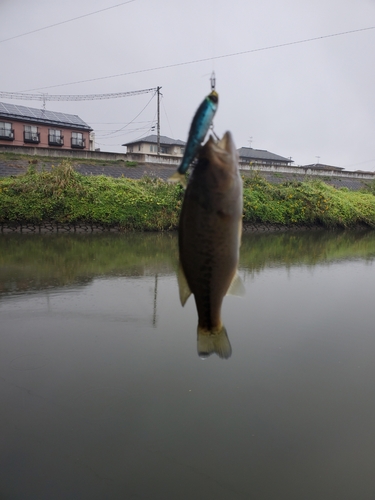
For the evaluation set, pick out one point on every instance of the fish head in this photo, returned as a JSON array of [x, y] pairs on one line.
[[221, 154]]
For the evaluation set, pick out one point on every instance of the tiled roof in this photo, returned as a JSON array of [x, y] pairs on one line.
[[321, 166], [33, 115], [153, 139], [260, 154]]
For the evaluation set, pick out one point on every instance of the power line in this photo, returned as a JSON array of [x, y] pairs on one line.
[[223, 56], [76, 97], [64, 22], [127, 124]]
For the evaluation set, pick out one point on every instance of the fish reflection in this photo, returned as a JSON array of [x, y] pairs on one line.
[[209, 240]]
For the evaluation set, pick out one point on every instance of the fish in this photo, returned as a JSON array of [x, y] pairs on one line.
[[198, 130], [209, 239]]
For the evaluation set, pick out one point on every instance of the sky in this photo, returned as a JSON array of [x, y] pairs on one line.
[[313, 101]]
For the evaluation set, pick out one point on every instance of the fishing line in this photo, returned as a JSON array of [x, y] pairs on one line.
[[214, 12]]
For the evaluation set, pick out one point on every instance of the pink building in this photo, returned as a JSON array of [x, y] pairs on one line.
[[24, 126]]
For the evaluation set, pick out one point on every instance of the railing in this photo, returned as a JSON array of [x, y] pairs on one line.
[[78, 143], [7, 135], [54, 140], [31, 137]]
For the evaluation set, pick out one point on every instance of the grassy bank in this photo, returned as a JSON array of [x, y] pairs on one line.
[[65, 196]]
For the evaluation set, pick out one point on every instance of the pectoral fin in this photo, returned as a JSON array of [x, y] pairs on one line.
[[236, 287], [183, 286]]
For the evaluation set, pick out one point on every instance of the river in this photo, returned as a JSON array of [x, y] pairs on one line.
[[103, 394]]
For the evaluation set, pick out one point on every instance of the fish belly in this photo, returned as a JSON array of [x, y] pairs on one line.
[[209, 251]]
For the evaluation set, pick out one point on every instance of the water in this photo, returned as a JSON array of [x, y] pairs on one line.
[[103, 394]]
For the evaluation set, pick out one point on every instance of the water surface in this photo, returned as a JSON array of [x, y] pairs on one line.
[[103, 395]]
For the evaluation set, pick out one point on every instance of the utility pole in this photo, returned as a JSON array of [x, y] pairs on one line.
[[158, 118]]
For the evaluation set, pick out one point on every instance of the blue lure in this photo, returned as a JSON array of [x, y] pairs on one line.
[[199, 127], [198, 130]]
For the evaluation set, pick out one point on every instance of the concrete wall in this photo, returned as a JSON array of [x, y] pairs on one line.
[[145, 148], [168, 160], [307, 171], [63, 153], [153, 158]]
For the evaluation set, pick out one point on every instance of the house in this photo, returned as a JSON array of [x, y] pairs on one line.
[[261, 157], [321, 166], [149, 145], [24, 126]]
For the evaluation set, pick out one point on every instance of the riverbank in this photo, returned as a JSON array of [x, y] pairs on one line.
[[62, 200], [52, 227]]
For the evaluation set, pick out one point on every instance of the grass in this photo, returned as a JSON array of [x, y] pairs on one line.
[[65, 196], [311, 202]]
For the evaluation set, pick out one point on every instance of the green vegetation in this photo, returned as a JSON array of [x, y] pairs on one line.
[[312, 202], [65, 196]]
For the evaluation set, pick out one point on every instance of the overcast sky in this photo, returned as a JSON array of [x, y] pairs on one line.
[[312, 101]]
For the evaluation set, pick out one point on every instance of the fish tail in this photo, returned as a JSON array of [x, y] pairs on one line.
[[177, 177], [215, 340]]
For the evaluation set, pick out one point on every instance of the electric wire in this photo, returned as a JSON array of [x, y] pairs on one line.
[[205, 59], [75, 97], [64, 22], [129, 123]]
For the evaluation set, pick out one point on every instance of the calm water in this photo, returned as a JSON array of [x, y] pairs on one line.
[[103, 395]]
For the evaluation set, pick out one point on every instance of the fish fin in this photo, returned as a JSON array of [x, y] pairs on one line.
[[177, 177], [216, 341], [236, 287], [183, 286]]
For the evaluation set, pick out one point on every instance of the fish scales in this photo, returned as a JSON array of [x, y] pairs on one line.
[[210, 232]]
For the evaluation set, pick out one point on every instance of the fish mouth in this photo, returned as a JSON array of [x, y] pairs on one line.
[[226, 143], [222, 150]]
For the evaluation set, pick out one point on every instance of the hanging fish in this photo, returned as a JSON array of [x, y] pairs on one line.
[[198, 130], [210, 231]]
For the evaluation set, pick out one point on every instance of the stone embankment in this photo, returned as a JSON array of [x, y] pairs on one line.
[[163, 171], [87, 228]]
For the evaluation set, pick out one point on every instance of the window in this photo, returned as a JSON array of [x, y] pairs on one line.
[[6, 131], [55, 137], [164, 149], [31, 134], [182, 150], [153, 148], [77, 140]]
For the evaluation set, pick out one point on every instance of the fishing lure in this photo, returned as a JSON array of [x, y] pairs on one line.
[[198, 130]]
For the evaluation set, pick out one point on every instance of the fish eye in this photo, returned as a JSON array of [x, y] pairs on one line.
[[213, 97]]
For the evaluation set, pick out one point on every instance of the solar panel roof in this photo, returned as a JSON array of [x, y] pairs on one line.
[[24, 113]]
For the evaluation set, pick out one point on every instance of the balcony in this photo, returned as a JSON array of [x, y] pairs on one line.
[[31, 137], [78, 143], [6, 135], [54, 140]]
